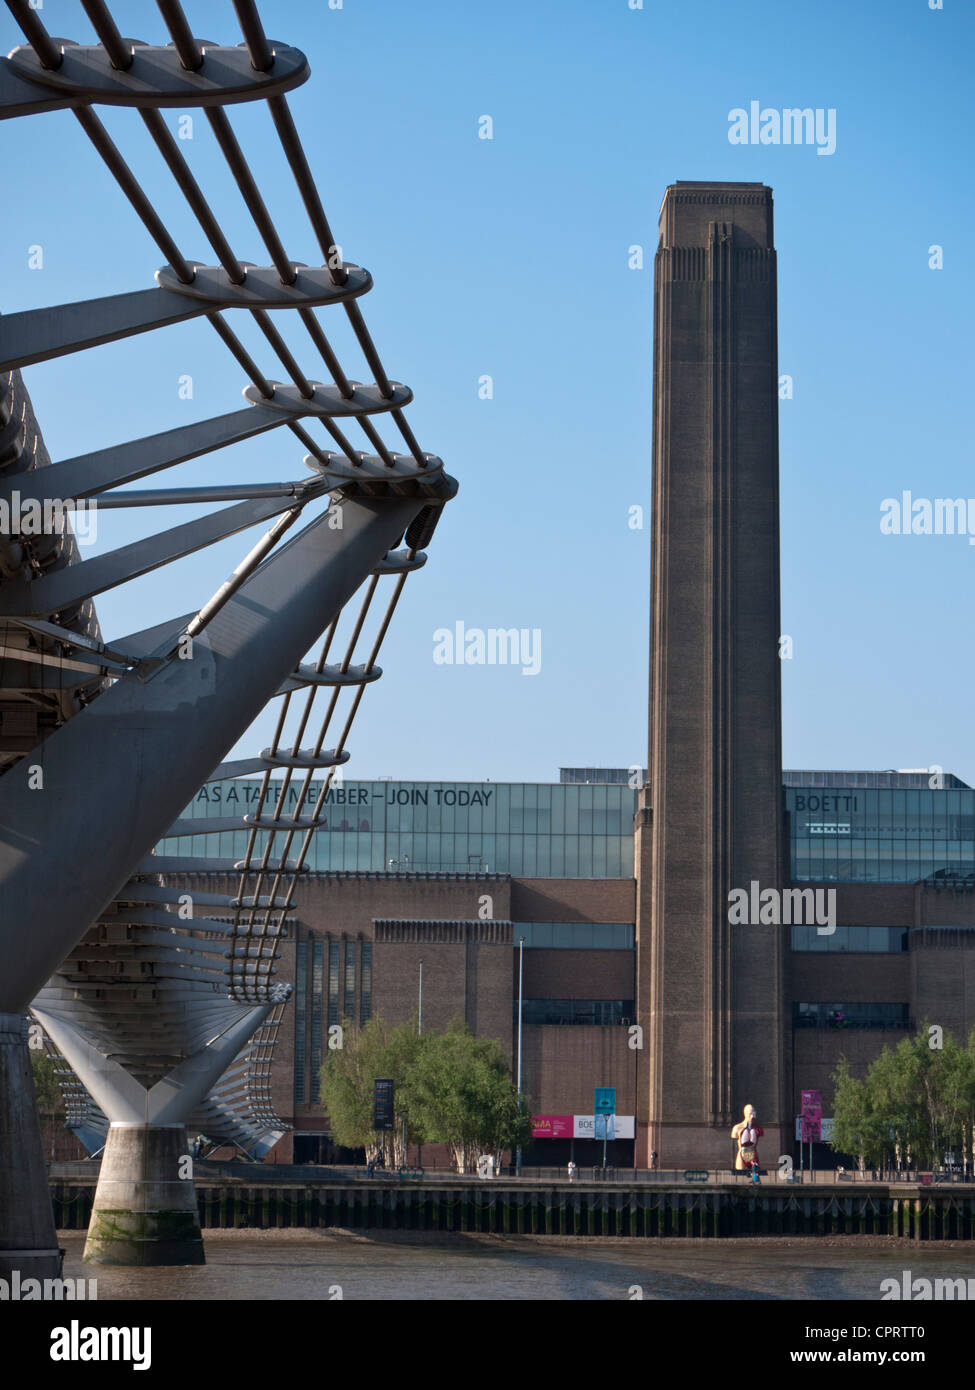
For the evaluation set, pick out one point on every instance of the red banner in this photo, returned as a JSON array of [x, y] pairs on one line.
[[552, 1126]]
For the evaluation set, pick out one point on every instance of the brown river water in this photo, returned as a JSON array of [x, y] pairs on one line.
[[410, 1266]]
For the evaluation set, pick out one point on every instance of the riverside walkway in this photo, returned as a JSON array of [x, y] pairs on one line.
[[267, 1196]]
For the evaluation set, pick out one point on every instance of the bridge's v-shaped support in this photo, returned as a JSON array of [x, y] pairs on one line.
[[145, 1208]]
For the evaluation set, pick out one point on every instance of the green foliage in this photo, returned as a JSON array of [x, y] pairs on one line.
[[347, 1081], [451, 1087], [46, 1086], [916, 1104], [462, 1095], [856, 1128]]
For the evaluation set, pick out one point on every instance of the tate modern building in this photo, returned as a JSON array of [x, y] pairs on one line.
[[712, 932]]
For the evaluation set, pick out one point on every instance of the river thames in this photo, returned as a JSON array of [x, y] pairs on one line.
[[300, 1265]]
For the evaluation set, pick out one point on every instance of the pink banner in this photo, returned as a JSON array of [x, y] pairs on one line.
[[552, 1126], [812, 1115]]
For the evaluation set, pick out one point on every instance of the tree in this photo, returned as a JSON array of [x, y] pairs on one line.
[[50, 1102], [451, 1088], [856, 1128], [46, 1086], [378, 1049], [917, 1102], [460, 1093]]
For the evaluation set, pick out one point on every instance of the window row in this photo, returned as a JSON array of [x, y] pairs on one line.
[[838, 1016], [878, 867], [906, 803], [590, 1012], [888, 940], [531, 856], [326, 977], [575, 936]]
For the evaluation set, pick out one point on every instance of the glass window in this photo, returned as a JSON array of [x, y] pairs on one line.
[[576, 936], [395, 826], [349, 1011], [316, 1016], [365, 992], [880, 834], [572, 856], [837, 1017], [889, 940], [333, 982], [301, 985], [593, 1013]]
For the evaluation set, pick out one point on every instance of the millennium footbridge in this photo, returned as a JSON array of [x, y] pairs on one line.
[[163, 1001]]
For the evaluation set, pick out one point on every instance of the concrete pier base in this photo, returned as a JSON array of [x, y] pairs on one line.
[[28, 1241], [145, 1213]]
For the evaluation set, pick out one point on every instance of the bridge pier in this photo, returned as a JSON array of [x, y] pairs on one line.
[[29, 1241], [145, 1210]]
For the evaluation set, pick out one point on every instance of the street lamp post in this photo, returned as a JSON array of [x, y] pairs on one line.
[[419, 1033], [521, 976]]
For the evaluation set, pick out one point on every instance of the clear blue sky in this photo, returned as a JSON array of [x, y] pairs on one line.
[[509, 258]]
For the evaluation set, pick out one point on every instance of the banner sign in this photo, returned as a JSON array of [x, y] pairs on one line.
[[552, 1126], [603, 1127], [584, 1126], [382, 1103], [825, 1128], [812, 1116], [604, 1100]]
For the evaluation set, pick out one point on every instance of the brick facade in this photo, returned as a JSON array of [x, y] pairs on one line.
[[470, 969]]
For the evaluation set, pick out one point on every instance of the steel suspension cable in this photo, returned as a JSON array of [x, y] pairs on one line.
[[189, 53], [251, 25], [262, 59], [285, 870], [312, 694]]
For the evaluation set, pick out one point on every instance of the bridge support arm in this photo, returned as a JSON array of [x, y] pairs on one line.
[[163, 734]]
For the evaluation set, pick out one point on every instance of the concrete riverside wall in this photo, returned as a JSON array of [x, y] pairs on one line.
[[144, 1212], [577, 1209]]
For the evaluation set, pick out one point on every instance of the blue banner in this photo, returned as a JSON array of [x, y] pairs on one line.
[[604, 1101]]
